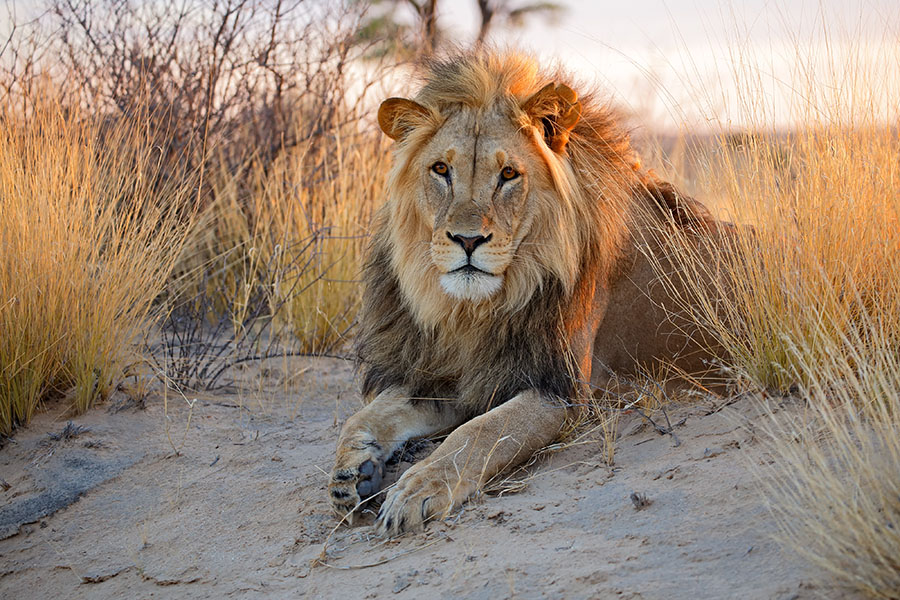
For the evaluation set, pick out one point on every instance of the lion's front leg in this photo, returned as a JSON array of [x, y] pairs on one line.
[[501, 438], [372, 435]]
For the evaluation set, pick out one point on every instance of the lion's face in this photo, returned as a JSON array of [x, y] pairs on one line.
[[473, 185], [475, 175]]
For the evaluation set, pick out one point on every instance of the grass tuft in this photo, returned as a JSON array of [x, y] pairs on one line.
[[89, 237]]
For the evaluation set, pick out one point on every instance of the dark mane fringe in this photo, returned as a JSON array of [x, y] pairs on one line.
[[393, 350]]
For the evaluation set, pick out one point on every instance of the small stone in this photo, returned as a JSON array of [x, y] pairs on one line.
[[640, 501], [711, 452]]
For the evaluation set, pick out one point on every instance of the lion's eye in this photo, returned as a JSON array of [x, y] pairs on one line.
[[508, 173], [440, 168]]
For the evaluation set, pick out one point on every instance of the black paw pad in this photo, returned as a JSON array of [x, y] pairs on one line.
[[364, 488], [371, 474]]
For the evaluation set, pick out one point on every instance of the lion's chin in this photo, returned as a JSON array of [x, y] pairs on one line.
[[466, 285]]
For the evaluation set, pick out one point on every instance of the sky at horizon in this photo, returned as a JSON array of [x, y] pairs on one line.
[[707, 64], [696, 63]]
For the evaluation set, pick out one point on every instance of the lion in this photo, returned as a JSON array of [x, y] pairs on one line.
[[509, 275]]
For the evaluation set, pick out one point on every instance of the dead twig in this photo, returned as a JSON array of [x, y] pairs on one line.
[[393, 557]]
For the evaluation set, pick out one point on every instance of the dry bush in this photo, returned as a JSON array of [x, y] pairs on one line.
[[236, 79], [310, 208], [265, 102], [272, 266], [89, 236]]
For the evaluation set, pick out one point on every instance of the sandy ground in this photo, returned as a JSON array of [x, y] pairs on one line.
[[241, 509]]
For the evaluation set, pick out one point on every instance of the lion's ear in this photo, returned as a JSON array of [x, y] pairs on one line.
[[399, 116], [557, 109]]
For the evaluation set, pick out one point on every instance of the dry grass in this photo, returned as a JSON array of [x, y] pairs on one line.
[[833, 488], [264, 104], [89, 236], [816, 275], [813, 310], [94, 230]]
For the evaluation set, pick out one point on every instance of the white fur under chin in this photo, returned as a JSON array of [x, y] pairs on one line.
[[471, 286]]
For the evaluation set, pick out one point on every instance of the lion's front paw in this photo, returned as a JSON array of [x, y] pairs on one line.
[[425, 491], [356, 477]]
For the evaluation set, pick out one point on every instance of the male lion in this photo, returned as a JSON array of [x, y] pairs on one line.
[[510, 271]]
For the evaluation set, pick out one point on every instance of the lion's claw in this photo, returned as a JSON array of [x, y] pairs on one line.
[[424, 492]]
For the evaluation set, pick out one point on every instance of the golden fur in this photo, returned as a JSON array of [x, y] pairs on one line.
[[557, 292]]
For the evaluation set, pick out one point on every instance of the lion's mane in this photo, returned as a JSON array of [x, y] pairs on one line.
[[481, 354]]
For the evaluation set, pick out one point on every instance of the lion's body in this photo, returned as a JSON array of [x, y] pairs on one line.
[[516, 260]]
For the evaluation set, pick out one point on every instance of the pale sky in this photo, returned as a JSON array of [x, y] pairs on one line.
[[677, 63], [673, 62]]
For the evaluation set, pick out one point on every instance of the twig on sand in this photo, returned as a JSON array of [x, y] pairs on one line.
[[668, 430], [734, 400], [347, 518], [69, 432], [319, 561]]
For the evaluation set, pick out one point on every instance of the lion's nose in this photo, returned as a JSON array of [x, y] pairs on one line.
[[469, 243]]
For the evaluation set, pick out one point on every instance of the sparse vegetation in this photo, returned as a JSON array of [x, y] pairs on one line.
[[834, 488], [236, 214], [273, 269]]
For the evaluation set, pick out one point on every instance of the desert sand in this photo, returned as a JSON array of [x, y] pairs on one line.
[[224, 495]]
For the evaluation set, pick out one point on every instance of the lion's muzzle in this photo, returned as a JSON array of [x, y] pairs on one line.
[[468, 278]]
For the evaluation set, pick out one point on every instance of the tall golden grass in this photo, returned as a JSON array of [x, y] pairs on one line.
[[813, 311], [89, 235], [834, 488], [94, 228], [816, 273]]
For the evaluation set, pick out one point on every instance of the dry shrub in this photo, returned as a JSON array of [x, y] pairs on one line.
[[266, 102], [294, 227], [89, 236], [231, 75]]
